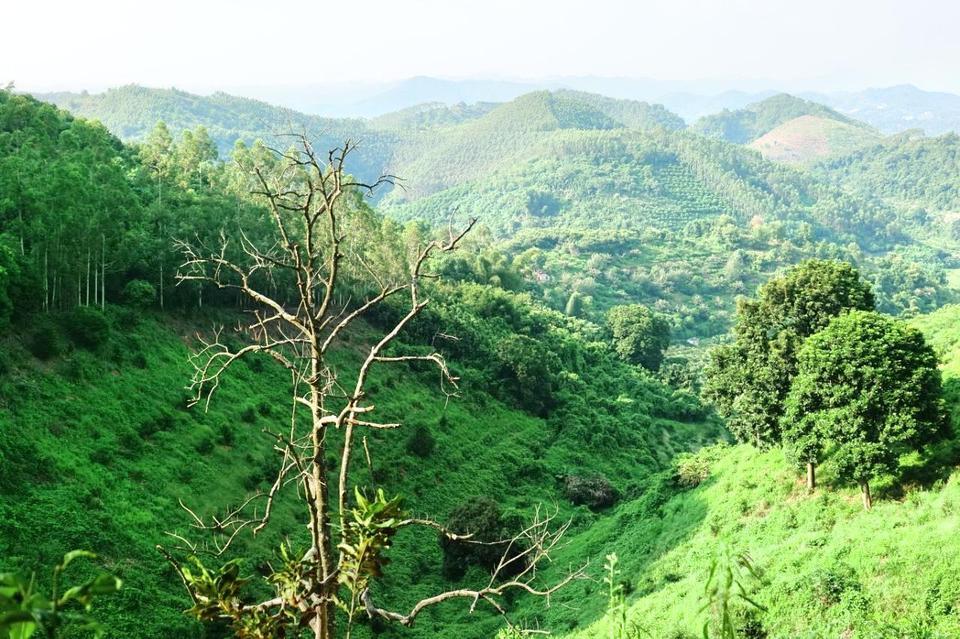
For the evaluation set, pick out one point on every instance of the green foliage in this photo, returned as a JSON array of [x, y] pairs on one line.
[[640, 336], [620, 627], [594, 492], [87, 327], [139, 294], [730, 586], [371, 525], [46, 340], [749, 379], [529, 368], [867, 390], [691, 470], [906, 168], [218, 594], [421, 442], [25, 610]]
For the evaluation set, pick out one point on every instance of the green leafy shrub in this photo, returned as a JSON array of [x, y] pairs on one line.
[[593, 492], [689, 471], [139, 294], [87, 327], [205, 445], [26, 612], [22, 463], [421, 442], [227, 434], [46, 341], [829, 586], [249, 414]]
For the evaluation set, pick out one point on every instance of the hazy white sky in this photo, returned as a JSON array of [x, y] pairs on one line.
[[208, 44]]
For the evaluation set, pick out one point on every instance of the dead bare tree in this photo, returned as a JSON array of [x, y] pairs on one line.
[[308, 200]]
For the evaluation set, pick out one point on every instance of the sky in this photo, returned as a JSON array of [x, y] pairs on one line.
[[205, 45]]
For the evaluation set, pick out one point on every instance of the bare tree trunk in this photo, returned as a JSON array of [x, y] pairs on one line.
[[298, 336], [811, 476], [46, 281], [88, 276], [867, 499], [103, 272], [96, 283], [161, 283]]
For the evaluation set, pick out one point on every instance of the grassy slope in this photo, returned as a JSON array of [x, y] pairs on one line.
[[810, 137], [91, 462], [834, 570]]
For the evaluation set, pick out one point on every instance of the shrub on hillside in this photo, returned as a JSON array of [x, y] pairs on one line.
[[593, 492], [482, 518], [830, 586], [421, 442], [689, 471], [139, 294], [87, 327], [46, 341]]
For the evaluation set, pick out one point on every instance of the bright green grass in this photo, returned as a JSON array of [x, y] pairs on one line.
[[833, 569], [895, 565]]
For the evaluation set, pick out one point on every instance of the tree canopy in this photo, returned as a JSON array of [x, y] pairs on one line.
[[867, 390], [750, 378]]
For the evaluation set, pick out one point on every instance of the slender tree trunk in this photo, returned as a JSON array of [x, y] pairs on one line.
[[23, 250], [79, 287], [88, 276], [867, 499], [811, 476], [103, 272], [96, 283], [46, 281], [161, 284]]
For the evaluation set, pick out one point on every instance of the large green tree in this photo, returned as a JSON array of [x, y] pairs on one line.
[[749, 379], [640, 336], [867, 390]]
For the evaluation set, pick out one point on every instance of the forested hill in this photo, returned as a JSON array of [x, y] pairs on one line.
[[908, 169], [98, 439], [598, 201], [749, 123]]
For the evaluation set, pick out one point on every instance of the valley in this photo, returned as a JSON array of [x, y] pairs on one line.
[[616, 255]]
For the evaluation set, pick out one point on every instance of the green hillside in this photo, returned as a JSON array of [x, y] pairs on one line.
[[101, 441], [828, 567], [585, 204], [98, 444], [809, 138], [755, 120], [908, 169]]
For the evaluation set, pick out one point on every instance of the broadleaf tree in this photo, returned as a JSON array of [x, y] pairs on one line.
[[749, 379], [867, 390]]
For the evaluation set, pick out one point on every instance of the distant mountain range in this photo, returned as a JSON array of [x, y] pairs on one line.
[[889, 110]]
